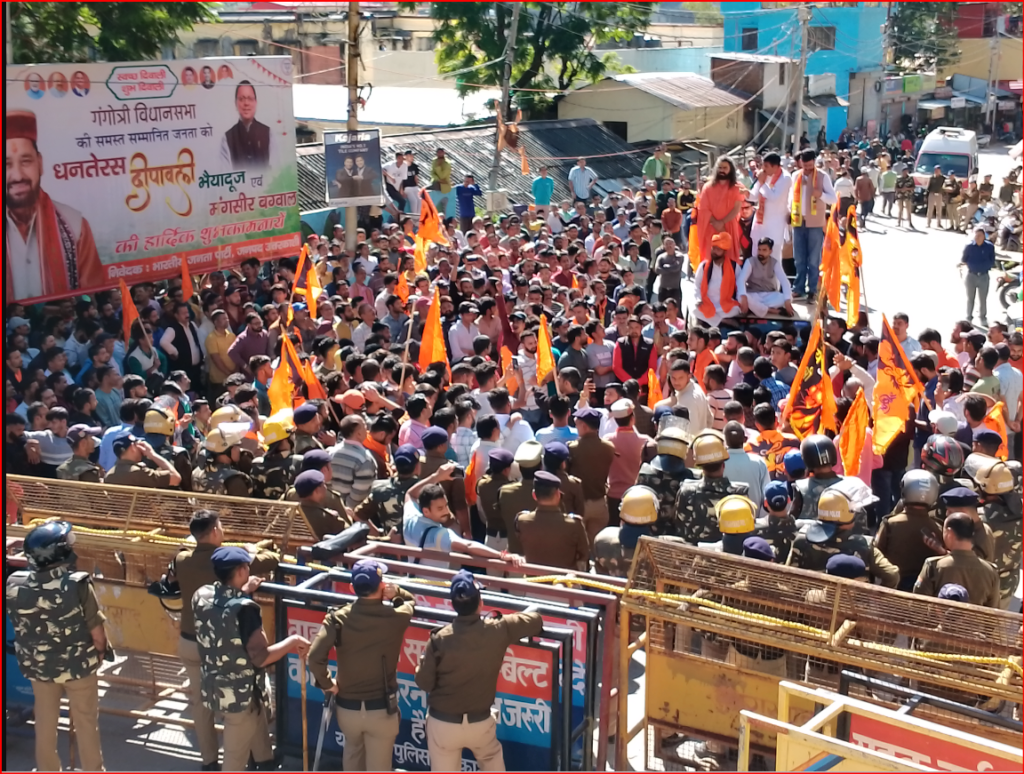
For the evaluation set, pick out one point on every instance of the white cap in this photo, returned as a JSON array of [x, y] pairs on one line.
[[529, 453], [945, 422], [622, 408]]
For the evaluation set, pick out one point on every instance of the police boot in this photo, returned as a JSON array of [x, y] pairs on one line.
[[210, 767]]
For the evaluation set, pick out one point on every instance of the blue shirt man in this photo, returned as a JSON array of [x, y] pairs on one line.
[[543, 189], [979, 253], [464, 197]]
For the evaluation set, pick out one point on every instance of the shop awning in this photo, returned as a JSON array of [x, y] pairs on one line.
[[932, 104]]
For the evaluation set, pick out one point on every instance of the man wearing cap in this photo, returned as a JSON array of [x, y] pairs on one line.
[[159, 426], [435, 447], [218, 473], [317, 459], [192, 569], [667, 470], [900, 535], [367, 636], [960, 565], [79, 467], [833, 533], [631, 448], [383, 508], [459, 671], [49, 249], [548, 535], [695, 519], [590, 460], [311, 488], [849, 567], [962, 499], [517, 496], [488, 489], [273, 473], [307, 426], [234, 653], [715, 283], [130, 470], [778, 528], [556, 461]]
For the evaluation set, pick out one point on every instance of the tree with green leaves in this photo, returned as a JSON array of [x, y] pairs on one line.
[[554, 48], [112, 32], [924, 36]]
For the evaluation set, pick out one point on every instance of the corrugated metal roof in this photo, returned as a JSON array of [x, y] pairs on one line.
[[471, 150], [740, 56], [685, 90]]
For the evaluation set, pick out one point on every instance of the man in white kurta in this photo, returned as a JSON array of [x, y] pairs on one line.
[[771, 192], [761, 284]]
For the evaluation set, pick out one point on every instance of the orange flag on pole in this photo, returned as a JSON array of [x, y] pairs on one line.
[[545, 355], [430, 223], [402, 291], [187, 288], [896, 388], [855, 430], [994, 421], [693, 247], [314, 390], [419, 254], [472, 476], [313, 290], [811, 407], [129, 314], [511, 383], [850, 258], [830, 274], [653, 389], [432, 349], [281, 390]]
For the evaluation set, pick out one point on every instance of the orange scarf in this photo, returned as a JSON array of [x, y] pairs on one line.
[[381, 451], [797, 216], [728, 289], [704, 358]]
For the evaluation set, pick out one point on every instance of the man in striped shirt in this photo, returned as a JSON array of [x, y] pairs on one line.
[[718, 396], [581, 180], [353, 468]]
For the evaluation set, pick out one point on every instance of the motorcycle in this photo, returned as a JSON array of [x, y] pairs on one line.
[[1008, 287], [1010, 229]]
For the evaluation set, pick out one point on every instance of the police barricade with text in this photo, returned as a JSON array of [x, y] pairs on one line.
[[593, 684], [533, 720]]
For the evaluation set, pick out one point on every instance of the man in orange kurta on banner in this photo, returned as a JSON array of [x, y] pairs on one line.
[[49, 248]]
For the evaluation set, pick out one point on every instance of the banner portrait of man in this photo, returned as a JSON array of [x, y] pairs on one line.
[[246, 145], [49, 247]]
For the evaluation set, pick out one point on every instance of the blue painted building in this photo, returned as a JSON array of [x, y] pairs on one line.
[[844, 39]]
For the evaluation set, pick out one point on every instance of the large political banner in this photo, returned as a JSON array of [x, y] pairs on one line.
[[124, 170]]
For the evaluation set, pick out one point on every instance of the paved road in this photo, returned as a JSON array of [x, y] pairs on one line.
[[916, 271]]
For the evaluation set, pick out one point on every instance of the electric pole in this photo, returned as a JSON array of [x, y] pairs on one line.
[[8, 35], [510, 55], [804, 14], [993, 76], [352, 78]]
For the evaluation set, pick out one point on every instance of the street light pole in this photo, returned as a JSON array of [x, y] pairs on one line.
[[352, 78], [506, 87], [804, 14]]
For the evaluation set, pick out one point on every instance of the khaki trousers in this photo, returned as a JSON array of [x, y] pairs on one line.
[[206, 734], [244, 733], [935, 207], [445, 742], [369, 738], [84, 699], [595, 517]]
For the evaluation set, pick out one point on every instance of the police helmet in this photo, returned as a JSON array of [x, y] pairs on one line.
[[274, 431], [1017, 470], [639, 506], [228, 414], [919, 487], [674, 436], [159, 421], [709, 448], [975, 464], [996, 479], [942, 455], [221, 440], [818, 451], [834, 509], [49, 544], [735, 515]]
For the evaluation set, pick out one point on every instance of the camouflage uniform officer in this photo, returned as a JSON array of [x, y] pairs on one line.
[[517, 497], [159, 425], [779, 528], [79, 467], [59, 642], [1002, 507], [901, 535], [819, 455], [499, 466], [667, 471], [234, 653], [695, 503], [556, 460], [383, 508], [833, 533], [273, 473], [312, 490], [307, 425], [317, 459], [639, 515], [219, 475]]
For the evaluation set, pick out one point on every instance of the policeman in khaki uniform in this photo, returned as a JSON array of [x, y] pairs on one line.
[[614, 546], [159, 425], [233, 655], [59, 642], [963, 499], [307, 425], [696, 500], [548, 534], [499, 468], [383, 508], [317, 459], [516, 497], [273, 473], [961, 565], [556, 460], [130, 470], [192, 569], [833, 533], [367, 636], [902, 537], [82, 440], [311, 488], [667, 471], [219, 474], [590, 460], [459, 672], [1002, 508]]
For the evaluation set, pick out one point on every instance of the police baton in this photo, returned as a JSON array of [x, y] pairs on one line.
[[325, 720]]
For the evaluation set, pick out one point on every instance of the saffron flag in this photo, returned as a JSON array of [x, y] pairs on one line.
[[511, 383], [432, 349], [187, 288], [693, 248], [508, 337], [129, 314], [472, 476], [402, 290], [313, 290], [653, 389], [430, 222], [830, 275], [314, 390], [896, 388], [545, 355], [419, 255], [994, 421], [281, 390], [855, 430], [850, 258], [811, 407]]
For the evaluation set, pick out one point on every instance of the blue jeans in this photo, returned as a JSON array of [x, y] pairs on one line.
[[886, 486], [807, 241]]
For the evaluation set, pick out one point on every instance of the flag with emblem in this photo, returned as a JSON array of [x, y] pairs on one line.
[[129, 314], [653, 389], [855, 430], [432, 349], [545, 354], [896, 388], [830, 274], [811, 407]]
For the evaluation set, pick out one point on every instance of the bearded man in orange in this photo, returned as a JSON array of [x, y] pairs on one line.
[[720, 202], [715, 282], [49, 248]]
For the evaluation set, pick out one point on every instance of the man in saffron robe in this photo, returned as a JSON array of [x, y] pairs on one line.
[[715, 281], [719, 211], [49, 249]]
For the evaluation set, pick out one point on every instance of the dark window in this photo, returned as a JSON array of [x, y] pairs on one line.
[[206, 47], [821, 38], [748, 38], [618, 128], [247, 48], [782, 73]]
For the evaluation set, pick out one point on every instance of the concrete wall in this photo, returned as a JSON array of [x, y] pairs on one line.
[[865, 102], [685, 35], [976, 57]]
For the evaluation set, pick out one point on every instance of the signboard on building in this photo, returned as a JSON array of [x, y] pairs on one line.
[[911, 83], [927, 82], [352, 163], [125, 170], [957, 102], [893, 85]]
